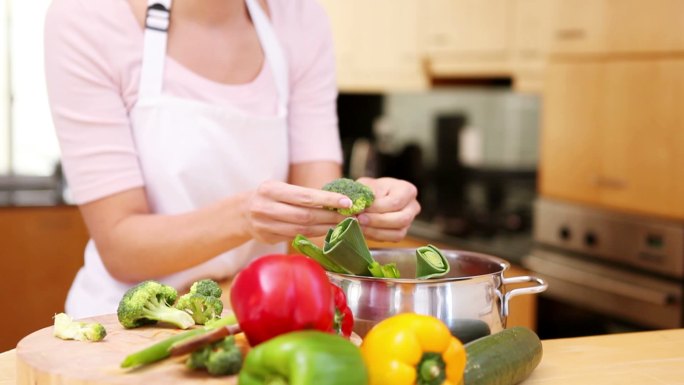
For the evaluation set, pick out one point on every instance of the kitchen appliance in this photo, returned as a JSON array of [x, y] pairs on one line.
[[624, 268], [473, 290]]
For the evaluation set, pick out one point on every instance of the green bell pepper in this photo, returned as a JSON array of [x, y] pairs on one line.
[[304, 358]]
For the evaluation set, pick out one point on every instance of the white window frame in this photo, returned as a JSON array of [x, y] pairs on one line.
[[5, 93], [28, 143]]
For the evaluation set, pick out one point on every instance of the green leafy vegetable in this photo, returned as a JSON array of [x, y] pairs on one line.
[[219, 358], [203, 302], [150, 302], [361, 195], [68, 329], [430, 263]]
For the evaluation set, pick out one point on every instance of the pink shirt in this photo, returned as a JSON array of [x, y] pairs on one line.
[[93, 57]]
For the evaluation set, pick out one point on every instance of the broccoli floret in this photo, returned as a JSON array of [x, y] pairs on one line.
[[150, 302], [219, 359], [68, 329], [202, 308], [198, 359], [206, 287], [361, 195]]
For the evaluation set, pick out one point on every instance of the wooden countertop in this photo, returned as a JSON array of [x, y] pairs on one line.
[[655, 357]]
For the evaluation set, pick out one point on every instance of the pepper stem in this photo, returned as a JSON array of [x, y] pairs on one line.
[[431, 369]]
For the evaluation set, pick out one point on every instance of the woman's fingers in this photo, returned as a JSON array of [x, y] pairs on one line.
[[390, 220], [303, 196], [296, 215], [391, 194]]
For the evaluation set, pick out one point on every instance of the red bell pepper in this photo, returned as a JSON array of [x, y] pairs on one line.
[[344, 320], [277, 294]]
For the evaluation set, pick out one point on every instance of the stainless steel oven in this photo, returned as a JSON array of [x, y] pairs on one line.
[[619, 267]]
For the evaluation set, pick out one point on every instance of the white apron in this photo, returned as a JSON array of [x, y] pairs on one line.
[[192, 154]]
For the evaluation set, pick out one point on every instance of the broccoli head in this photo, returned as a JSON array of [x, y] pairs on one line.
[[219, 358], [202, 308], [150, 302], [68, 329], [361, 195], [207, 287]]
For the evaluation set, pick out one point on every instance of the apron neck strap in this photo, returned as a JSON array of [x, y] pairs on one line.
[[154, 53]]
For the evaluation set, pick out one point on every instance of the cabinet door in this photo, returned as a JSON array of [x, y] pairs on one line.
[[477, 27], [572, 133], [643, 151], [466, 37], [618, 26], [377, 45], [531, 23], [41, 252], [613, 135]]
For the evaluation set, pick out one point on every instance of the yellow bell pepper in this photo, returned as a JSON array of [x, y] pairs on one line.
[[409, 349]]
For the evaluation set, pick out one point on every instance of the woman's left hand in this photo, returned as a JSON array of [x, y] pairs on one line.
[[392, 212]]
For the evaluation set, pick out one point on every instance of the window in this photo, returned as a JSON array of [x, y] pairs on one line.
[[28, 144]]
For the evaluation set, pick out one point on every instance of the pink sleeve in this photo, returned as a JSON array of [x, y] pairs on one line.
[[313, 110], [91, 120]]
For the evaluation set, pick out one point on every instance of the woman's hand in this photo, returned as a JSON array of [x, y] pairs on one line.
[[277, 211], [393, 210]]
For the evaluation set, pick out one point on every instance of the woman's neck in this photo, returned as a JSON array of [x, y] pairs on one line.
[[210, 12]]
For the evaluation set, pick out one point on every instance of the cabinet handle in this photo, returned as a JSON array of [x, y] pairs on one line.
[[571, 34], [610, 183]]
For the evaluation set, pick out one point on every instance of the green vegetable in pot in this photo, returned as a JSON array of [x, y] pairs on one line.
[[203, 302], [304, 358], [150, 302], [219, 358], [346, 246], [361, 195], [311, 250], [345, 251], [68, 329], [430, 263]]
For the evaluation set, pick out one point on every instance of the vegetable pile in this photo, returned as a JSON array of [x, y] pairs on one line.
[[150, 302], [345, 251], [292, 326]]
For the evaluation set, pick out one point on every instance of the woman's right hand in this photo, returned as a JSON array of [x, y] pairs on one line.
[[278, 211]]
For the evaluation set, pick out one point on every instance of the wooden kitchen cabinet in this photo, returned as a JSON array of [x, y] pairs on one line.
[[613, 134], [41, 251], [377, 45], [572, 134], [531, 31], [467, 37], [617, 27]]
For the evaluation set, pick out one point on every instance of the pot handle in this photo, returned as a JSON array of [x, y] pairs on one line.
[[540, 286]]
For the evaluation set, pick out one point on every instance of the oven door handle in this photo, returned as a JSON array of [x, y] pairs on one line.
[[602, 283]]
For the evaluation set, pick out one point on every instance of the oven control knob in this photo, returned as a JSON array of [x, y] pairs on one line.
[[590, 239], [564, 233]]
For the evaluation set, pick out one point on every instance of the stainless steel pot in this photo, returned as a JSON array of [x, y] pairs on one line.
[[472, 296]]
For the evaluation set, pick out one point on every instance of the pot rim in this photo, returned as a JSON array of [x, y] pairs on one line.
[[505, 265]]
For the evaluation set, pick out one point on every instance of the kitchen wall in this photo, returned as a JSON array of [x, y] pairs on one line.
[[501, 130]]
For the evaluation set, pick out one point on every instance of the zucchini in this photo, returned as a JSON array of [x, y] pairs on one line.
[[503, 358]]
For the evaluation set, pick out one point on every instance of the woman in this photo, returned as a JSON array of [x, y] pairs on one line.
[[196, 137]]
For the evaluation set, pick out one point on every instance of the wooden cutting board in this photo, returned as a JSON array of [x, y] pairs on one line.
[[43, 359]]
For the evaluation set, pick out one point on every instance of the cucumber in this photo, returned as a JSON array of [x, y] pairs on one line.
[[503, 358], [467, 330]]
